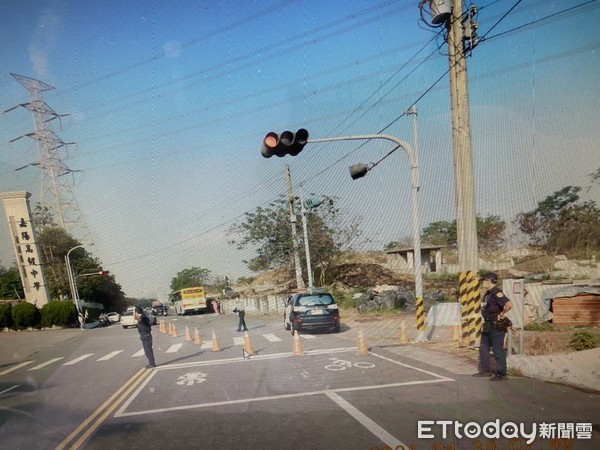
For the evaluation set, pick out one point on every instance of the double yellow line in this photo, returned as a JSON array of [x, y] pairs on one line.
[[91, 424]]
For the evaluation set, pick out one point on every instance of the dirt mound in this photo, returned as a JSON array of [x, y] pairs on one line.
[[362, 275]]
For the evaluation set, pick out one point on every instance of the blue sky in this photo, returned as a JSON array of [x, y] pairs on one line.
[[169, 102]]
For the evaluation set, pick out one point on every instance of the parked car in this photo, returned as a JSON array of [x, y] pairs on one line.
[[113, 317], [311, 309]]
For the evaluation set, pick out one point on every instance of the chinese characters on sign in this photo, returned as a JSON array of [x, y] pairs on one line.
[[29, 263]]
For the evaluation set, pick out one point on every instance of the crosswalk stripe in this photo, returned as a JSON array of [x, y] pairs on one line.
[[47, 363], [110, 355], [76, 360], [18, 366], [307, 336], [174, 348], [206, 345], [238, 341], [271, 338], [140, 352]]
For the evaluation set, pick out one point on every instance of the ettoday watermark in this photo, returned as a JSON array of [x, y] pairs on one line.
[[431, 429]]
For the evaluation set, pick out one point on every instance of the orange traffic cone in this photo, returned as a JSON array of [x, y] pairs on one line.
[[248, 344], [171, 328], [361, 344], [216, 345], [297, 349], [188, 335], [161, 327], [403, 339], [174, 333], [197, 337]]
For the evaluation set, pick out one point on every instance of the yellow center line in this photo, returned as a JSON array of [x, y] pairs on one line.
[[123, 392]]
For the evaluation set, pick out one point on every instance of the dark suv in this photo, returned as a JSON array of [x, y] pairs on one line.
[[311, 309]]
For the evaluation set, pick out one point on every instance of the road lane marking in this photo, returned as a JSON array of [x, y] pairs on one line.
[[272, 338], [140, 352], [110, 355], [9, 389], [121, 412], [18, 366], [47, 363], [76, 360], [174, 348], [366, 422], [408, 366], [89, 426], [307, 336], [238, 340]]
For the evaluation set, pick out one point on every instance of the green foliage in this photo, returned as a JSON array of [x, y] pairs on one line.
[[584, 341], [268, 231], [10, 284], [539, 326], [59, 313], [192, 277], [6, 320], [345, 298], [490, 233], [26, 315], [561, 225]]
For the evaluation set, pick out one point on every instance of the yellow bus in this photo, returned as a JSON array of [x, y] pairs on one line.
[[189, 300]]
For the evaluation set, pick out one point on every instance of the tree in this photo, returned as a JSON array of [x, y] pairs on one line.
[[10, 284], [490, 233], [268, 230], [560, 224], [538, 223], [192, 277], [440, 233], [54, 244]]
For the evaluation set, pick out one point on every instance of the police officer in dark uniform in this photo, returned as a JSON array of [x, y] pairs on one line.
[[496, 305], [145, 330]]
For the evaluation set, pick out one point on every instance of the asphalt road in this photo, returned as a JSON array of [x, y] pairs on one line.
[[89, 389]]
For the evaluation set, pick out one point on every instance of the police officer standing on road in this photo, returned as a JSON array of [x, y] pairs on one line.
[[145, 330], [239, 308], [496, 305]]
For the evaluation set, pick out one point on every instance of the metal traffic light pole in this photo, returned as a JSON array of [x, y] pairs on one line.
[[415, 182]]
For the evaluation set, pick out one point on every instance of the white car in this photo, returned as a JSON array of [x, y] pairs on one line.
[[128, 318], [113, 317]]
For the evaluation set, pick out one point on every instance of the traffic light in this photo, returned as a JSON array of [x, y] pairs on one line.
[[358, 171], [287, 143]]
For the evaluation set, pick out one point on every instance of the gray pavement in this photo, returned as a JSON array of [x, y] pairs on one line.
[[395, 332], [579, 369]]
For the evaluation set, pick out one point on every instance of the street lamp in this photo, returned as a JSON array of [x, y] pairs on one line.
[[74, 295], [360, 170]]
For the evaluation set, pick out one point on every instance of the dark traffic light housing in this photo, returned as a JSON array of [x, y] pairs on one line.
[[287, 143]]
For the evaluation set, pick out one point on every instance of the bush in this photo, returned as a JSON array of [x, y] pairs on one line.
[[26, 315], [584, 341], [539, 326], [60, 313], [6, 320]]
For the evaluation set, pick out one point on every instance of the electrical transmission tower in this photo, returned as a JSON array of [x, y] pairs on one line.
[[56, 193]]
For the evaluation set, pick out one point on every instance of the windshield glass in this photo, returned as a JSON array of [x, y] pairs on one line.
[[316, 300]]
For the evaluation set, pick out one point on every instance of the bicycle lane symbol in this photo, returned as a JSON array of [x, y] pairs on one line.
[[191, 378], [341, 364]]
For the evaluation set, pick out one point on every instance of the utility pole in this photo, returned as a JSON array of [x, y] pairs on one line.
[[468, 259], [299, 280], [462, 39]]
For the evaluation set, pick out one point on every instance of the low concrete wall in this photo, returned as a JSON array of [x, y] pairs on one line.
[[259, 305]]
